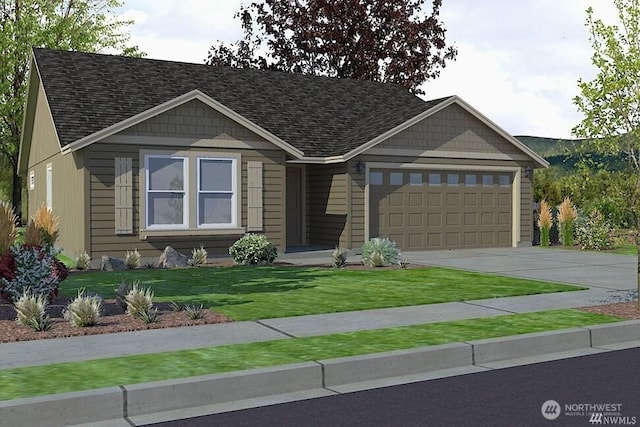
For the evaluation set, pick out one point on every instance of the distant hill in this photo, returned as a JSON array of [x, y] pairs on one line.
[[563, 152]]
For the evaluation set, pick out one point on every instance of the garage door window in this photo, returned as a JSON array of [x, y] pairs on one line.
[[487, 180], [395, 178], [434, 179], [505, 180], [470, 180], [453, 179], [375, 178], [415, 179]]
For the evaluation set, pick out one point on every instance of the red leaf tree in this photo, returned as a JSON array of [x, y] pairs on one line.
[[386, 41]]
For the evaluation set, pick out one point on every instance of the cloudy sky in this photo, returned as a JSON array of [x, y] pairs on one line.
[[518, 61]]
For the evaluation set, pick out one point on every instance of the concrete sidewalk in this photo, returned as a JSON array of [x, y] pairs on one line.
[[534, 263]]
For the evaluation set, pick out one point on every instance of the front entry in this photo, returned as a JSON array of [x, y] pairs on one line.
[[294, 206]]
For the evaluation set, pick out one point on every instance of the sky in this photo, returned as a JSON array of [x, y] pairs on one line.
[[518, 60]]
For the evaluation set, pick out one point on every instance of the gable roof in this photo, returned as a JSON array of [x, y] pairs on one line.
[[91, 96]]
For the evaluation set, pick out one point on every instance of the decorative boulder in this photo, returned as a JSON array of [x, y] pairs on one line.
[[109, 263], [171, 258]]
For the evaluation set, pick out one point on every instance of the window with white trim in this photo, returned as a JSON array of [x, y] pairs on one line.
[[217, 192], [167, 203]]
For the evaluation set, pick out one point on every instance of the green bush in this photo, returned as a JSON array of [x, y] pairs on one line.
[[379, 252], [592, 231], [253, 249], [84, 310]]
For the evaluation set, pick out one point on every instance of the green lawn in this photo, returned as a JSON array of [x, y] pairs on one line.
[[77, 376], [246, 292]]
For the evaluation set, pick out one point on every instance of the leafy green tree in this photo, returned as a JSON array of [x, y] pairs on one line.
[[611, 101], [84, 25], [396, 42]]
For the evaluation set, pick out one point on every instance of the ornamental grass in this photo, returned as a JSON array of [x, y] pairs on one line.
[[545, 220], [47, 223], [9, 232], [567, 215]]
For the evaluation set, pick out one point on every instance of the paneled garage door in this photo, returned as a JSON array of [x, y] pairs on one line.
[[430, 209]]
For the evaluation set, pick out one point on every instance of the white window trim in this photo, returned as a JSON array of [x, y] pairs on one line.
[[191, 221], [49, 185], [234, 193], [32, 180], [147, 191]]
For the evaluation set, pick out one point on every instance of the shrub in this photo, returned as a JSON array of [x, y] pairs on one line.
[[253, 249], [198, 257], [32, 311], [567, 215], [544, 222], [132, 259], [33, 268], [592, 231], [81, 260], [8, 230], [339, 257], [84, 310], [175, 306], [139, 302], [379, 252], [47, 224]]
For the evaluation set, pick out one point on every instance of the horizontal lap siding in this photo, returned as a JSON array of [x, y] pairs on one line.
[[327, 204], [104, 241]]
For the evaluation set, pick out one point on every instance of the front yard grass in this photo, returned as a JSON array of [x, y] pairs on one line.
[[76, 376], [249, 292]]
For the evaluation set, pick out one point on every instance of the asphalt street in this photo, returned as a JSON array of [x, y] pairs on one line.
[[607, 384]]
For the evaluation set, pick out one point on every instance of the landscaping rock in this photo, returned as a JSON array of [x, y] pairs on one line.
[[109, 263], [171, 258]]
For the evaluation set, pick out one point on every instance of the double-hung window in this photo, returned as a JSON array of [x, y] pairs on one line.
[[217, 192], [166, 193]]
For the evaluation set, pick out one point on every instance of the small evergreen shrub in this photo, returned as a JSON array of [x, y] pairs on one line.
[[253, 249], [198, 257], [84, 310], [545, 220], [139, 302], [132, 259], [31, 311], [175, 306], [31, 267], [379, 252], [82, 260], [592, 231], [339, 257], [403, 263], [567, 216]]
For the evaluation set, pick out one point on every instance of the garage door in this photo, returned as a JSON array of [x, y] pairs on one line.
[[440, 209]]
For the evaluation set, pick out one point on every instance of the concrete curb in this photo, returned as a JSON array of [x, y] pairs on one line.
[[119, 405]]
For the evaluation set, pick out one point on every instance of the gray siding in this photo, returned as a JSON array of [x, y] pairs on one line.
[[327, 204], [452, 129]]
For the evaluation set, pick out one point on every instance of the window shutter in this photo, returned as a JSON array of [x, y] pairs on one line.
[[123, 196], [254, 196]]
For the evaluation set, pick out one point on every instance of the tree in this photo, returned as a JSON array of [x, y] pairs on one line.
[[377, 40], [85, 25], [611, 101]]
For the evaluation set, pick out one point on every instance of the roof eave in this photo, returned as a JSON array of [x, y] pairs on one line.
[[173, 103]]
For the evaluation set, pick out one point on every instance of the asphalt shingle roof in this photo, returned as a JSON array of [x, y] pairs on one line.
[[318, 115]]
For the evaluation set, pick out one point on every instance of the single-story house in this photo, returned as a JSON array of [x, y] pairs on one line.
[[140, 153]]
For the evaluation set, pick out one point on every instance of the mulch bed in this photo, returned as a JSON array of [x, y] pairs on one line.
[[626, 310]]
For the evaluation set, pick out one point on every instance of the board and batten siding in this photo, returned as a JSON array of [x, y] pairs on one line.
[[68, 181], [104, 240]]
